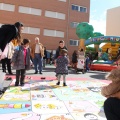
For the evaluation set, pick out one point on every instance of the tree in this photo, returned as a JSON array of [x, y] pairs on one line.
[[84, 31], [97, 34]]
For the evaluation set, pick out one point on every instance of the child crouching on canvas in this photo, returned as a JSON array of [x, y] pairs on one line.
[[62, 66], [21, 61], [114, 86]]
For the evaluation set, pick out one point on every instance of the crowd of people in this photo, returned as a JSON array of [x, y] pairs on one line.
[[80, 55], [23, 55]]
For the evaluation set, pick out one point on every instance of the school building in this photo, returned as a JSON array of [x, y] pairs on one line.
[[50, 20]]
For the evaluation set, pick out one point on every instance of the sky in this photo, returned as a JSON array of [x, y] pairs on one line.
[[98, 10]]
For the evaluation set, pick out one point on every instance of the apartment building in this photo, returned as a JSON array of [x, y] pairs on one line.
[[50, 20], [113, 22]]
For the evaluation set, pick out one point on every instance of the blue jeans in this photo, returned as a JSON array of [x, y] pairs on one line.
[[38, 62]]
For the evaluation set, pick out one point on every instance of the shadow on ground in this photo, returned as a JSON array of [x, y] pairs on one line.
[[100, 76]]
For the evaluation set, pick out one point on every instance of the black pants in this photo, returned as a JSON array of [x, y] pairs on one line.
[[8, 62], [20, 76], [31, 59], [112, 108]]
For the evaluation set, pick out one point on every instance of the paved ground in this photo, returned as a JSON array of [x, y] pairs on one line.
[[44, 100], [48, 71]]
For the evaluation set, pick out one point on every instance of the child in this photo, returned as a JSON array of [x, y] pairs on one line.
[[21, 61], [62, 66], [114, 86], [87, 63]]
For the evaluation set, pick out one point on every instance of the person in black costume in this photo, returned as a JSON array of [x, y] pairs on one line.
[[9, 32]]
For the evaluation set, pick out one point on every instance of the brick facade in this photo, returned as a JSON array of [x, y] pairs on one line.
[[43, 22]]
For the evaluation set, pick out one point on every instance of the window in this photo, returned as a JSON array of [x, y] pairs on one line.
[[79, 8], [55, 15], [49, 32], [62, 0], [74, 24], [35, 31], [30, 30], [26, 30], [29, 10], [53, 33], [61, 16], [7, 7], [75, 7], [83, 9], [74, 42], [59, 34]]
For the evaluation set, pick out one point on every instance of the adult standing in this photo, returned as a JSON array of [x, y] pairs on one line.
[[37, 53], [74, 59], [51, 57], [6, 56], [81, 54], [48, 57], [61, 46], [90, 57]]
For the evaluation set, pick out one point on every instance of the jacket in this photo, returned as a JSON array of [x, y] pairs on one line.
[[111, 89], [4, 54], [8, 51], [18, 59], [11, 32], [58, 52], [33, 50], [62, 65]]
